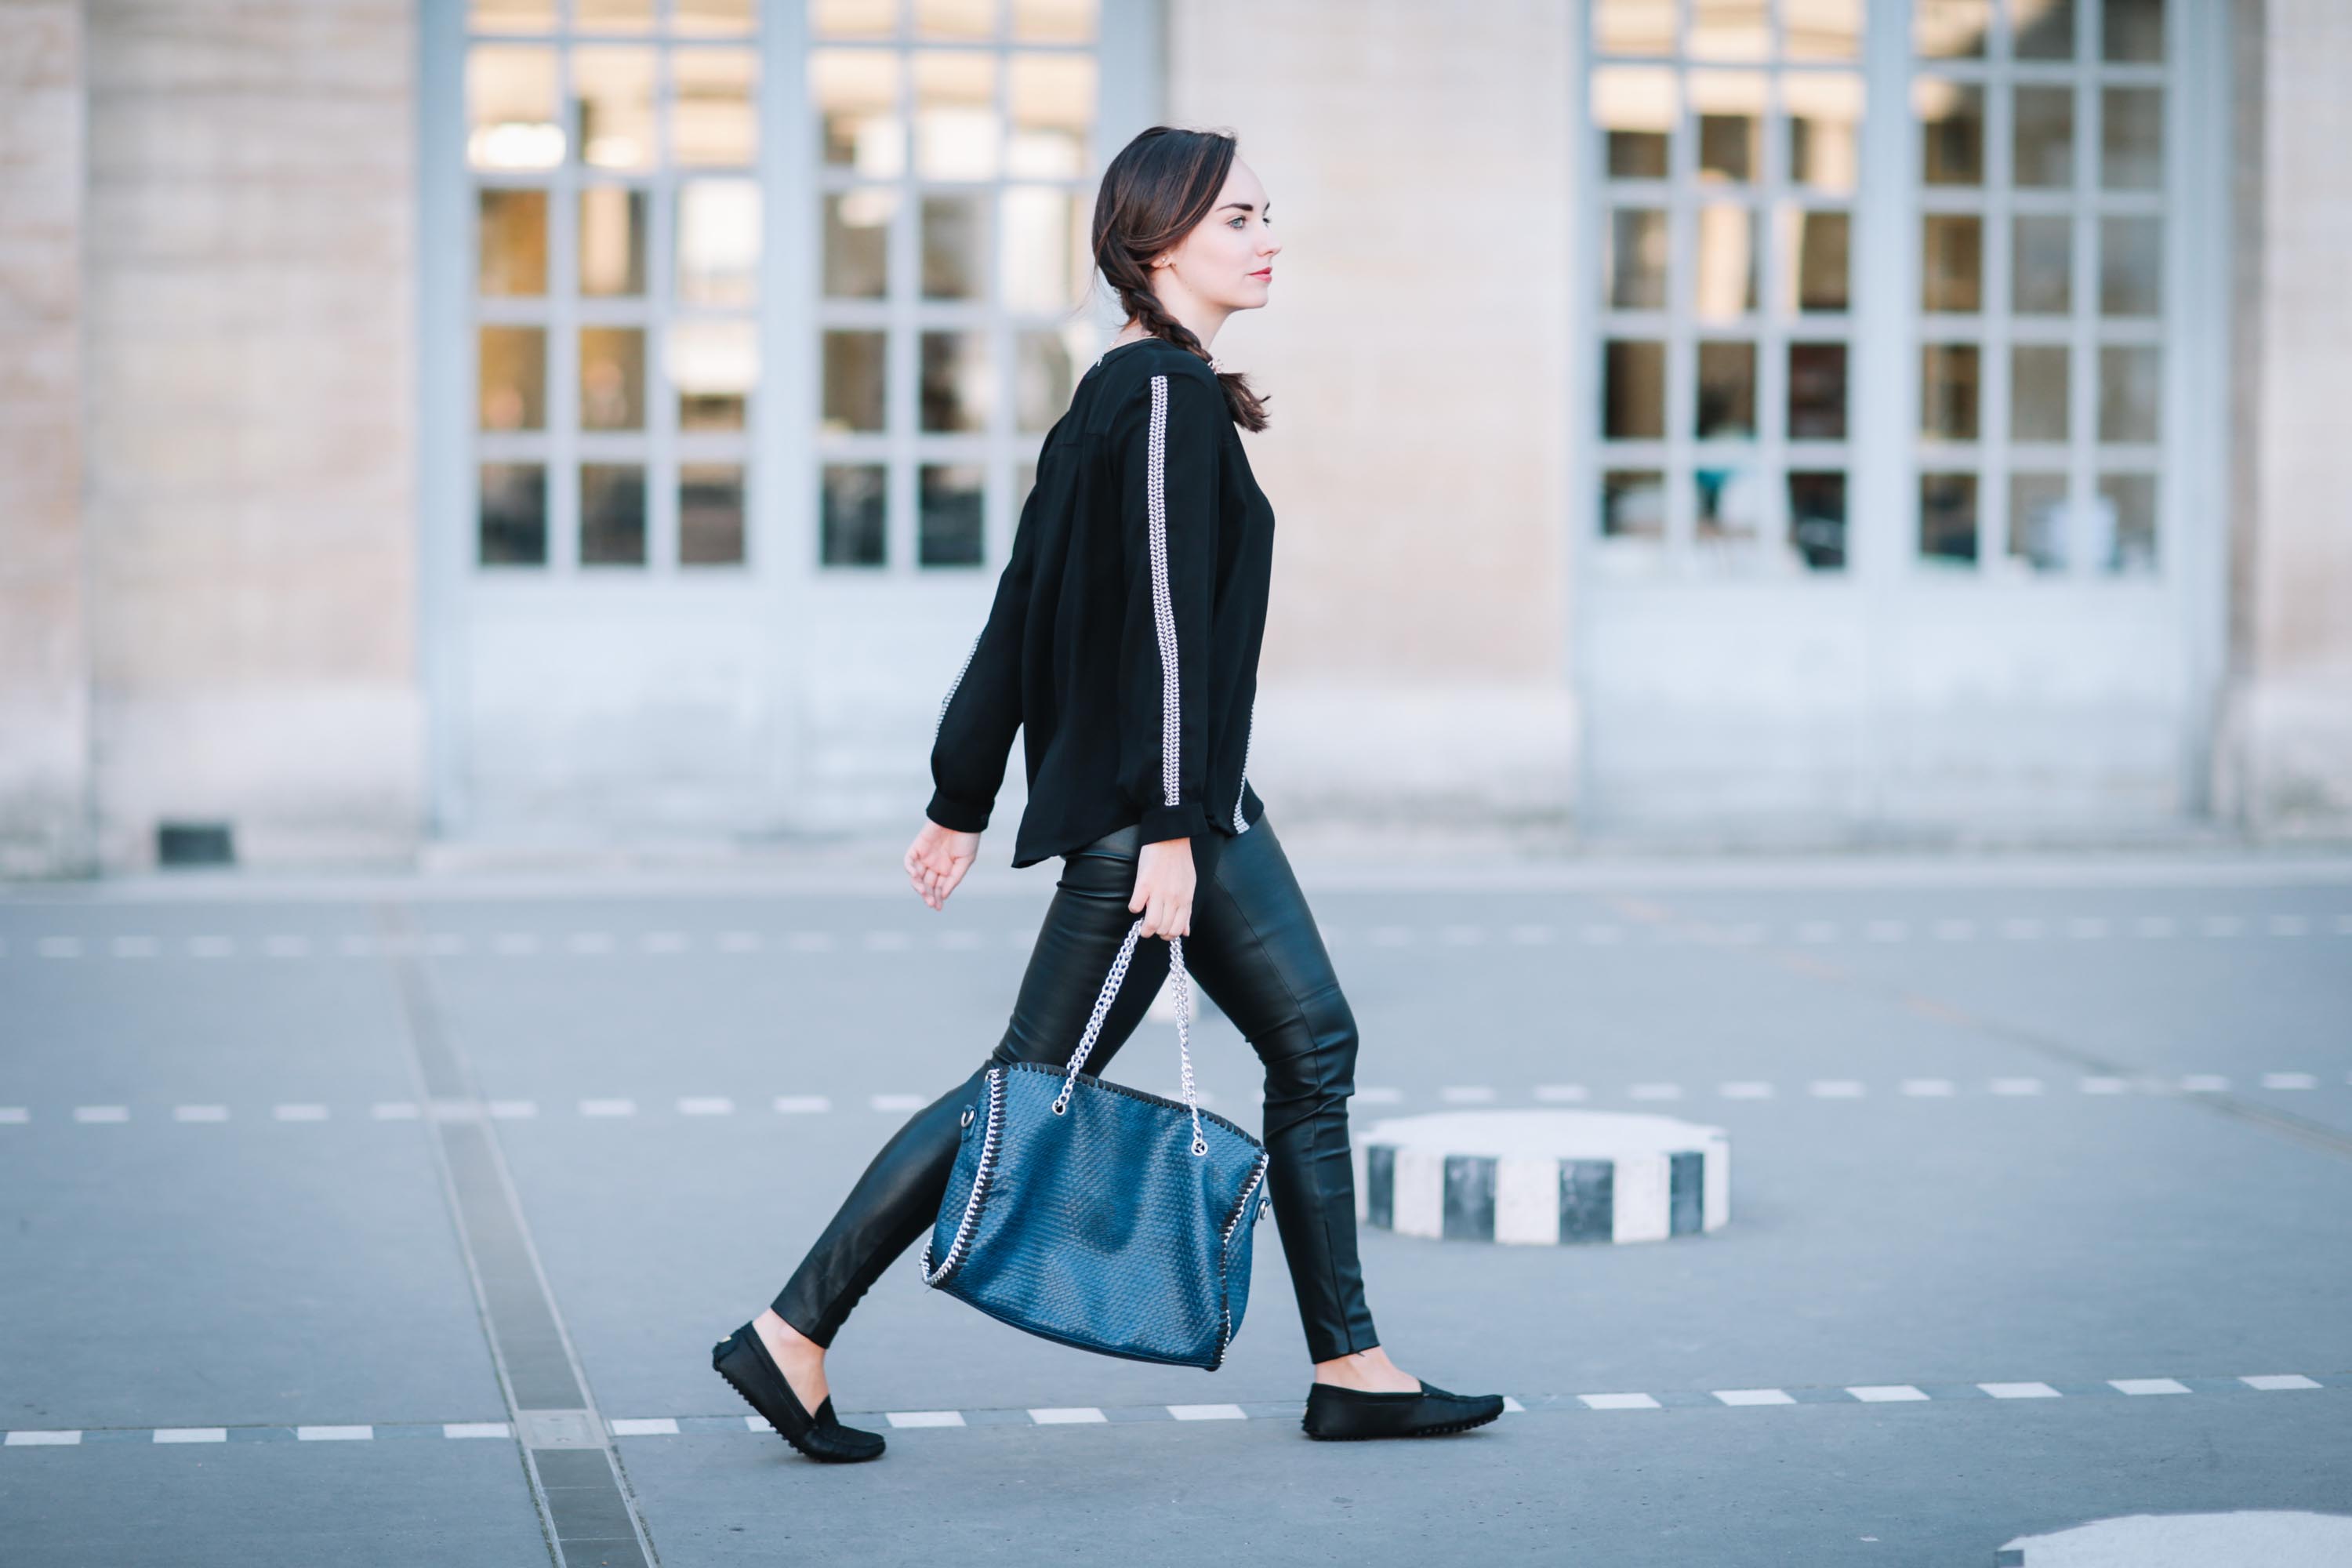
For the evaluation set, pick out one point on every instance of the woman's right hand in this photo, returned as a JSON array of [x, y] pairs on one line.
[[1164, 880], [937, 859]]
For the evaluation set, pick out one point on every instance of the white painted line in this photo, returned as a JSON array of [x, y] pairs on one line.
[[1744, 1091], [1563, 1093], [2289, 925], [334, 1434], [1746, 934], [298, 1112], [2289, 1080], [2087, 928], [925, 1418], [200, 1113], [885, 940], [590, 941], [898, 1101], [651, 1426], [41, 1439], [1465, 1094], [2021, 929], [1531, 936], [799, 1102], [1600, 934], [664, 942], [1753, 1397], [455, 1109], [101, 1113], [1923, 1087], [1513, 1405], [608, 1108], [1887, 931], [16, 1114], [2268, 1381], [1462, 936], [393, 1110], [1835, 1088], [809, 940], [706, 1105], [740, 942], [2100, 1084], [444, 943], [2017, 1086], [58, 947], [357, 946], [1655, 1091], [1817, 932], [473, 1429], [2204, 1083], [286, 946], [192, 1434], [514, 1110], [1619, 1400], [2343, 925], [2147, 1386], [1381, 1095], [1956, 931], [961, 939], [1068, 1416], [1392, 936], [1207, 1412], [1885, 1393], [2019, 1390], [136, 947], [2156, 925], [2223, 925], [514, 943]]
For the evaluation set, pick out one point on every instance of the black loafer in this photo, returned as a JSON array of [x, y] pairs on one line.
[[744, 1361], [1344, 1415]]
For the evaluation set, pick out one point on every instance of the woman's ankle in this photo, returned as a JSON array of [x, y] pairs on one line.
[[779, 1333]]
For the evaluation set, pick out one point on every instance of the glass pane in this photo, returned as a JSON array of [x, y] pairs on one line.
[[956, 130], [1951, 29], [1817, 384], [513, 256], [611, 378], [1634, 26], [2038, 520], [2130, 391], [856, 225], [510, 108], [718, 242], [947, 523], [613, 106], [1731, 504], [613, 16], [1633, 390], [712, 122], [1634, 111], [2131, 261], [1730, 29], [1634, 504], [2043, 29], [1053, 108], [1951, 131], [612, 514], [710, 514], [852, 18], [2041, 275], [512, 530], [712, 368], [1053, 21], [856, 96], [511, 16], [612, 240], [1821, 29], [2134, 29], [1727, 392], [511, 378], [2044, 153], [1723, 279], [2037, 392], [2131, 138], [853, 383], [1634, 267], [955, 248], [955, 387], [954, 19], [1041, 241], [1951, 262], [852, 521], [1817, 519], [712, 17], [1824, 127], [1730, 108], [1041, 380], [1948, 391], [1818, 274], [2129, 510], [1947, 519]]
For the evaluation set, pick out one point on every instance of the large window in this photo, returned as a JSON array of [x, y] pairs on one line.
[[956, 139], [615, 159]]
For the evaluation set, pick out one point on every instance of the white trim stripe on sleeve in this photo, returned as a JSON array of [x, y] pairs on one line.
[[1162, 615]]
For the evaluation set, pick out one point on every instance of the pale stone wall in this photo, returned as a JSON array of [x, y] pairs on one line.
[[1416, 160], [248, 501], [44, 656]]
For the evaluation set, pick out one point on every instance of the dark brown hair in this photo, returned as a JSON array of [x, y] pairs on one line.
[[1158, 189]]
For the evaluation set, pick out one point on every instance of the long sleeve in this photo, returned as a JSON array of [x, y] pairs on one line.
[[1169, 438], [981, 710]]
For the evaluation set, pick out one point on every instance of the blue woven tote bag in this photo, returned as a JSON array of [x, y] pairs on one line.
[[1099, 1216]]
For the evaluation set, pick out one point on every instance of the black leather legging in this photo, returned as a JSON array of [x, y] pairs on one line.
[[1255, 949]]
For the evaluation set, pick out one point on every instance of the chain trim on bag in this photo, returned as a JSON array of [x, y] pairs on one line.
[[1224, 1256], [1102, 1010], [971, 1220]]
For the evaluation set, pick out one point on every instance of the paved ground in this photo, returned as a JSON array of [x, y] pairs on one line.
[[2041, 1213]]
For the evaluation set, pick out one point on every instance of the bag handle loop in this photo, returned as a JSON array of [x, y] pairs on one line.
[[1184, 1026]]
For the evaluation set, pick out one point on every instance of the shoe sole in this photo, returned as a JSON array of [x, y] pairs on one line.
[[1437, 1431], [818, 1455]]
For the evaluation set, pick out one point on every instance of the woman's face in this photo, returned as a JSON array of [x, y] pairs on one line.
[[1227, 261]]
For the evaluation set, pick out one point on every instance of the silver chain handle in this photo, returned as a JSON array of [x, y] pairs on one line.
[[1184, 1026]]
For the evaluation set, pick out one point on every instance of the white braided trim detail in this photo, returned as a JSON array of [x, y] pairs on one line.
[[1163, 615], [956, 682], [1241, 790]]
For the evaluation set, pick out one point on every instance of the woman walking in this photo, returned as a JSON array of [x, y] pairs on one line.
[[1123, 644]]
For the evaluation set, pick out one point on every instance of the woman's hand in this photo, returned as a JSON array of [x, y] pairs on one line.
[[1163, 888], [937, 859]]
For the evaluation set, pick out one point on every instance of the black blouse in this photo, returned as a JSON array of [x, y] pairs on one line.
[[1123, 640]]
